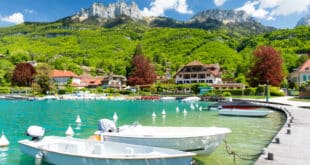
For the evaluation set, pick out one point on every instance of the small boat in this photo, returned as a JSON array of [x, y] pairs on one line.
[[242, 104], [202, 140], [167, 98], [191, 99], [67, 150], [249, 113]]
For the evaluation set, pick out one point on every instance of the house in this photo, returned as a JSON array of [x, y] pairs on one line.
[[196, 72], [62, 77], [301, 74], [114, 81]]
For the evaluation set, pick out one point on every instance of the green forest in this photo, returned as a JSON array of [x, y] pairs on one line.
[[70, 46]]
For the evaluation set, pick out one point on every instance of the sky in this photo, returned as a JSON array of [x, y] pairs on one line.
[[276, 13]]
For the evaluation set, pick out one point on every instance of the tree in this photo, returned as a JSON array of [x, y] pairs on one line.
[[143, 72], [267, 67], [43, 78], [23, 75]]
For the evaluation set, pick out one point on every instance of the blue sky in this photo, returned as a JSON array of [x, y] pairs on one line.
[[276, 13]]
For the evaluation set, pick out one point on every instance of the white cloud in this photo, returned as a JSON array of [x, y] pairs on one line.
[[287, 7], [158, 7], [269, 9], [219, 2], [15, 18], [251, 8]]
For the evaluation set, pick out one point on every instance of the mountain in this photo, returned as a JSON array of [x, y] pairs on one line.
[[120, 13], [305, 21], [97, 13]]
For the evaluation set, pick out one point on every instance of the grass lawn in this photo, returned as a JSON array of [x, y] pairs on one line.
[[252, 97], [300, 99]]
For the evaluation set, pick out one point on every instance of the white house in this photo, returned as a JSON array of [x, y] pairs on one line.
[[62, 77], [196, 72], [301, 74]]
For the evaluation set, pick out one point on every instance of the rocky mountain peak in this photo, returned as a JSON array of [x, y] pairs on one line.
[[109, 12], [224, 16], [305, 21]]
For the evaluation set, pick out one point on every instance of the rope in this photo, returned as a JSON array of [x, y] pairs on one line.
[[237, 155]]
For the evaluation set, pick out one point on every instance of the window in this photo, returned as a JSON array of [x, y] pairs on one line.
[[193, 75], [180, 76], [202, 76], [304, 78], [201, 81], [194, 81], [208, 75], [186, 76]]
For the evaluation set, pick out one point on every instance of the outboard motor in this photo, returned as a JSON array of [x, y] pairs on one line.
[[106, 125], [36, 132]]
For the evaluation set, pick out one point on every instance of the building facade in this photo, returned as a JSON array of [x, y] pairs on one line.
[[114, 81], [301, 74], [196, 72], [62, 77]]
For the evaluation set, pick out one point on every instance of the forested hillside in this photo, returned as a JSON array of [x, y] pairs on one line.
[[70, 46]]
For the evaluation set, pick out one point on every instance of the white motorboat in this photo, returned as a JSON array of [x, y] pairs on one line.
[[67, 150], [191, 99], [248, 113], [167, 98], [202, 140]]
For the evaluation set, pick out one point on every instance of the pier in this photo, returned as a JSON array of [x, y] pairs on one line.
[[291, 145]]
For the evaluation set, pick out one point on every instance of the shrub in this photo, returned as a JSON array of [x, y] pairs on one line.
[[249, 91], [5, 90], [275, 91], [226, 94], [61, 91], [125, 92]]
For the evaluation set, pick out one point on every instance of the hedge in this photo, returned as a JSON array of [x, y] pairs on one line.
[[5, 90]]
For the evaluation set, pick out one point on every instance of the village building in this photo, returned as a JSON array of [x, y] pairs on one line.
[[196, 72], [62, 77], [301, 74], [114, 81]]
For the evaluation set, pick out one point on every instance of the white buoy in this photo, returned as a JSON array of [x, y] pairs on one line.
[[200, 108], [184, 112], [163, 112], [192, 106], [4, 141], [196, 105], [69, 131], [115, 117], [177, 109], [78, 119], [153, 115]]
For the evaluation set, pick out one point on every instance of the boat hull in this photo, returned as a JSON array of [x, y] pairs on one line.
[[248, 113], [104, 158], [201, 144]]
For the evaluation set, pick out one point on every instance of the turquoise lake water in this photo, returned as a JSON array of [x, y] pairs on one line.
[[249, 135]]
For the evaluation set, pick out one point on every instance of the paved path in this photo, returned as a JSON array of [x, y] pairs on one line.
[[294, 148]]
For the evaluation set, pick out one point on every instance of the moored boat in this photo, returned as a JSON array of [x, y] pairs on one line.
[[167, 98], [202, 140], [191, 99], [242, 104], [67, 150], [251, 113]]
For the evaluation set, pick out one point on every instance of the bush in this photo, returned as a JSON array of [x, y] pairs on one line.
[[5, 90], [226, 94], [125, 92], [275, 91], [249, 91], [260, 90], [61, 91]]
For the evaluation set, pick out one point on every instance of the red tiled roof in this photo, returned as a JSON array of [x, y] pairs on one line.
[[305, 66], [194, 63], [63, 73], [91, 81]]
